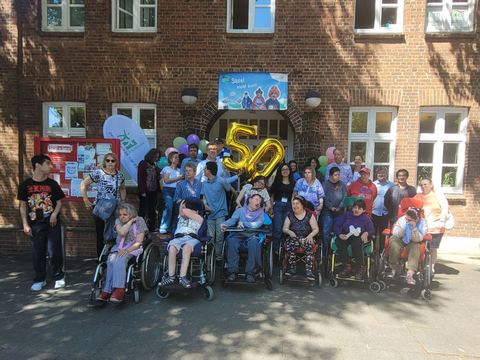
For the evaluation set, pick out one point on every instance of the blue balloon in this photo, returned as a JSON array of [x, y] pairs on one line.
[[200, 155], [162, 162]]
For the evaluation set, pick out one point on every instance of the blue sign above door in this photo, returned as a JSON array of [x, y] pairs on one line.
[[252, 91]]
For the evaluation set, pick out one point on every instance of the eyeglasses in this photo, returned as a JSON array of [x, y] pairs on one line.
[[261, 183], [285, 169], [110, 160]]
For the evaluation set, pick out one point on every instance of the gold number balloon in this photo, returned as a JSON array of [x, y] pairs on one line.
[[249, 160]]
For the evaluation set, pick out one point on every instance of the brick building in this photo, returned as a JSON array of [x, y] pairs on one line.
[[398, 81]]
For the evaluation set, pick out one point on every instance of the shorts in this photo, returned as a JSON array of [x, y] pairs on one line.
[[435, 243], [181, 242]]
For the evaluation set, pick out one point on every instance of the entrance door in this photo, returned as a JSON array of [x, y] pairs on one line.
[[270, 124]]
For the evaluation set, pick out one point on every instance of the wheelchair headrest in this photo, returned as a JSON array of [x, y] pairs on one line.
[[411, 202], [262, 203], [197, 202], [349, 200]]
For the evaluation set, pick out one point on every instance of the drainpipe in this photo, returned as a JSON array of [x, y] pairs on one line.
[[18, 7]]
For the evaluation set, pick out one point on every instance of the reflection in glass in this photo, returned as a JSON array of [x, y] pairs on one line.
[[147, 119], [262, 18], [452, 123], [450, 153], [383, 122], [77, 117], [359, 122], [358, 148], [389, 16], [424, 172], [77, 16], [425, 153], [147, 17], [55, 117], [54, 16], [125, 112], [449, 176], [427, 123], [382, 152]]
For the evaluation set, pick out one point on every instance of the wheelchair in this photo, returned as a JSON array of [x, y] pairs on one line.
[[369, 254], [266, 254], [143, 269], [423, 273], [318, 260], [202, 262]]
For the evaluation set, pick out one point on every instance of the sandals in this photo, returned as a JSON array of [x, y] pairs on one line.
[[410, 280], [185, 282], [168, 281]]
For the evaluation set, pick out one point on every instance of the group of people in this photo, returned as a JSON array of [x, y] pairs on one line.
[[302, 205]]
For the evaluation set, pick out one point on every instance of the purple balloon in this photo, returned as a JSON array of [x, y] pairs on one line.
[[183, 149], [193, 139]]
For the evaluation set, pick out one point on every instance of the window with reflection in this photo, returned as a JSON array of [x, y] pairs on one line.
[[378, 16], [63, 119], [255, 16]]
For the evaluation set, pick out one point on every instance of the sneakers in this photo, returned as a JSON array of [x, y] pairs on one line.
[[250, 279], [291, 272], [60, 283], [391, 274], [361, 272], [103, 296], [346, 272], [38, 286], [118, 295], [163, 231], [232, 277], [185, 282], [310, 275], [168, 281]]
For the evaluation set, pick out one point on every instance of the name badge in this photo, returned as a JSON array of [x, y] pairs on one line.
[[284, 199]]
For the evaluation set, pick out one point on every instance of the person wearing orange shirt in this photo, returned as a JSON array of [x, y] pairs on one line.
[[364, 187]]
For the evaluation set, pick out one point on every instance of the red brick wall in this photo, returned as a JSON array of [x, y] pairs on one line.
[[313, 42]]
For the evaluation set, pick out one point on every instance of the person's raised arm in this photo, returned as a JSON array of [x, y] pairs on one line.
[[193, 215]]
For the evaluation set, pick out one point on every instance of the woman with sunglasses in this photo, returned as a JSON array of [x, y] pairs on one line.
[[110, 184], [257, 186]]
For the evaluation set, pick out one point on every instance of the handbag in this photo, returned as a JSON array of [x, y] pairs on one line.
[[449, 221], [104, 208]]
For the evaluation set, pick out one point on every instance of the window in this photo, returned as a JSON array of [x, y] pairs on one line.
[[63, 15], [63, 119], [251, 16], [449, 16], [378, 16], [372, 135], [134, 15], [144, 115], [441, 147]]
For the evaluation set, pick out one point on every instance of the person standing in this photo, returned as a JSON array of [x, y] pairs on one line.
[[365, 188], [345, 171], [294, 169], [311, 189], [221, 171], [110, 185], [379, 211], [396, 193], [171, 176], [222, 151], [148, 175], [193, 153], [335, 192], [313, 162], [357, 166], [214, 200], [40, 204]]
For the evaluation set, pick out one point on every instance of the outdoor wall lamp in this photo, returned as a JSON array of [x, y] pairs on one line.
[[313, 98], [189, 96]]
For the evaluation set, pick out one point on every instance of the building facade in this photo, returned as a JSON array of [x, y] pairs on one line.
[[398, 81]]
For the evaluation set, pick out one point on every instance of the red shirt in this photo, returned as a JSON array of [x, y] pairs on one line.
[[366, 190]]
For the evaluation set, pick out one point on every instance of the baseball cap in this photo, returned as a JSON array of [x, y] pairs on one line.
[[365, 169], [220, 140]]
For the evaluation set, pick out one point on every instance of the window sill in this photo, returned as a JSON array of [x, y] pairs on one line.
[[63, 34], [456, 200], [448, 37], [379, 38], [135, 35], [259, 36]]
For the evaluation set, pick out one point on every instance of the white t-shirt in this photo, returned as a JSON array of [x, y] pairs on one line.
[[172, 174]]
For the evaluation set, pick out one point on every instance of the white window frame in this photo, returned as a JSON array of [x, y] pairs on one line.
[[370, 138], [66, 7], [444, 9], [65, 131], [439, 138], [251, 18], [150, 133], [377, 28], [136, 17]]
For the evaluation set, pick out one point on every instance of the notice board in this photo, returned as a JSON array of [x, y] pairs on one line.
[[74, 159]]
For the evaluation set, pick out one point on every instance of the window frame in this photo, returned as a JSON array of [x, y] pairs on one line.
[[439, 138], [378, 29], [251, 19], [66, 7], [447, 8], [151, 134], [135, 18], [65, 131], [371, 138]]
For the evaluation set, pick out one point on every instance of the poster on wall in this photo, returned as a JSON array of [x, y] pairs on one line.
[[252, 91]]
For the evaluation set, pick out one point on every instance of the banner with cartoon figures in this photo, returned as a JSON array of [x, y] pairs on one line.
[[252, 91]]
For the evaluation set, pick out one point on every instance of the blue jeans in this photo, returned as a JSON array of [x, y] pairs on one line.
[[234, 241], [168, 194], [328, 219], [280, 210]]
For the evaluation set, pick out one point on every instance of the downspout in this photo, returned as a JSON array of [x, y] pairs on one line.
[[21, 142]]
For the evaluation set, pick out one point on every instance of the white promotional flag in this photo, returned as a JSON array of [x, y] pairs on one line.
[[133, 142]]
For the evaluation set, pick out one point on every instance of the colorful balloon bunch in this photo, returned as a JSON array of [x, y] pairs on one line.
[[325, 160], [180, 145]]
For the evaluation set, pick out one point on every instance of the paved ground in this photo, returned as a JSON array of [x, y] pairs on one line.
[[290, 322]]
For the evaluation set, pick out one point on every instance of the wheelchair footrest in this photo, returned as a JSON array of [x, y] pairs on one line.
[[178, 287]]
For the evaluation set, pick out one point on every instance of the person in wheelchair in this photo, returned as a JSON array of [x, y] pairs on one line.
[[301, 227], [251, 216], [408, 233], [130, 231], [353, 228], [185, 239]]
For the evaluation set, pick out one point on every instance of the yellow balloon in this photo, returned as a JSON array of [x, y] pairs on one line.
[[266, 145], [232, 142]]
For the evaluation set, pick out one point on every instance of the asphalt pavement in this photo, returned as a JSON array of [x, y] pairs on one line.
[[242, 322]]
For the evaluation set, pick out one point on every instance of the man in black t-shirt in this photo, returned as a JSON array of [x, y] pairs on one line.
[[396, 193], [40, 204]]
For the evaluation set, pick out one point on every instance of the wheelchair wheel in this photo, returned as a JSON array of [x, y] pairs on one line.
[[162, 294], [319, 279], [211, 268], [136, 294], [98, 282], [150, 271], [280, 275], [268, 284], [383, 284], [270, 259], [334, 282], [208, 293], [426, 294], [375, 287]]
